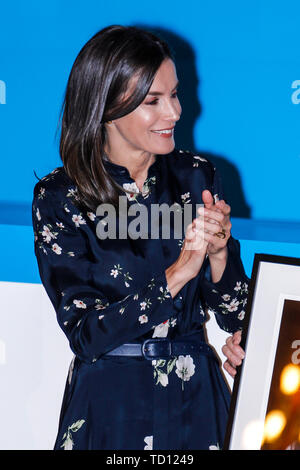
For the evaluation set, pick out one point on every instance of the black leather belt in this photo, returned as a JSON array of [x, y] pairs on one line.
[[162, 348]]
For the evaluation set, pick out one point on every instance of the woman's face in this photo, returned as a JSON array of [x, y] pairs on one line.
[[150, 127]]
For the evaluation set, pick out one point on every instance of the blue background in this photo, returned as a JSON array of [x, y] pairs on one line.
[[238, 63]]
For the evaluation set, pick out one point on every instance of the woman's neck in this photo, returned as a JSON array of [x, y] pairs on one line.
[[136, 164]]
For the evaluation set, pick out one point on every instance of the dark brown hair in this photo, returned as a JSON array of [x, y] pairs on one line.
[[94, 95]]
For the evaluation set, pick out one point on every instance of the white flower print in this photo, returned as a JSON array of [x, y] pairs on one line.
[[78, 220], [161, 330], [41, 193], [216, 198], [241, 315], [143, 319], [147, 186], [163, 379], [72, 193], [71, 368], [118, 270], [185, 198], [233, 306], [67, 437], [100, 317], [245, 287], [145, 304], [99, 304], [38, 215], [60, 225], [226, 297], [202, 312], [47, 234], [126, 279], [149, 443], [164, 294], [68, 443], [91, 215], [57, 249], [79, 303], [185, 368], [134, 191], [160, 374], [238, 286], [151, 284]]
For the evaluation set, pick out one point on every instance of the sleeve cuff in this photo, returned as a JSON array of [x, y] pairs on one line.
[[234, 270]]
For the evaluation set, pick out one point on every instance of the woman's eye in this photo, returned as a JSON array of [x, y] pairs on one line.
[[174, 95], [152, 102]]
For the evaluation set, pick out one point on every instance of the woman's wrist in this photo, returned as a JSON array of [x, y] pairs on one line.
[[176, 278], [218, 263]]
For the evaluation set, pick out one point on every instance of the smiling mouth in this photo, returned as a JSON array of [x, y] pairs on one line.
[[165, 132]]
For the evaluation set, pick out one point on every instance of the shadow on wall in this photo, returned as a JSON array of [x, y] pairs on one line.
[[188, 94]]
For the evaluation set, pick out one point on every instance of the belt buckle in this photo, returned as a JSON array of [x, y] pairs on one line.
[[156, 348]]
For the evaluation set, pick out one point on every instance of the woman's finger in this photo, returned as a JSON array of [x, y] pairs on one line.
[[229, 368], [207, 226], [224, 207], [234, 358], [213, 214]]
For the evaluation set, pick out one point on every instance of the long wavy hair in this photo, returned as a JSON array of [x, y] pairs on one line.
[[94, 94]]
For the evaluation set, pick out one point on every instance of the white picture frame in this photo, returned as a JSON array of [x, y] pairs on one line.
[[271, 338]]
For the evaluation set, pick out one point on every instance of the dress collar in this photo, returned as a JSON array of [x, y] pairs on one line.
[[119, 170]]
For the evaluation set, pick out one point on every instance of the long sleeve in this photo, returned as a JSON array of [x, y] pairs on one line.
[[92, 323], [228, 297]]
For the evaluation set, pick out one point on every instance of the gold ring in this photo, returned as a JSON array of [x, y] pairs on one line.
[[221, 234]]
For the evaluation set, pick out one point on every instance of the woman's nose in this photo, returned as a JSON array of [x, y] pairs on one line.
[[173, 110]]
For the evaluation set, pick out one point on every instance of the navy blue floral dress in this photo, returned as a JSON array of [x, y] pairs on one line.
[[114, 291]]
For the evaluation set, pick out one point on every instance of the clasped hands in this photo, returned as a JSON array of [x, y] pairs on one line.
[[212, 228]]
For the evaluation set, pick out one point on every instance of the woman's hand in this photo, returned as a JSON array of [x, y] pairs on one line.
[[206, 235], [217, 227], [190, 259], [234, 353], [216, 217]]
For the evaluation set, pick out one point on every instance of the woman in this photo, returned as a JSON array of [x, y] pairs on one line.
[[133, 306]]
